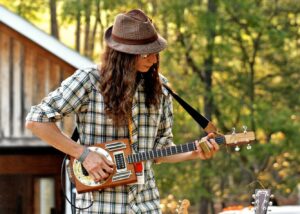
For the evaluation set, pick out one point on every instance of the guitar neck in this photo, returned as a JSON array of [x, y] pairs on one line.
[[168, 151]]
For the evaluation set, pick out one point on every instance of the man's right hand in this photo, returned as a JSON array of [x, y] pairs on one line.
[[98, 166]]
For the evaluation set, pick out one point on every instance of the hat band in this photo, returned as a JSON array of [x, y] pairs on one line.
[[134, 41]]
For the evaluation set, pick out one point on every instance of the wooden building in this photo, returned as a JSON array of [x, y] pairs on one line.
[[32, 63]]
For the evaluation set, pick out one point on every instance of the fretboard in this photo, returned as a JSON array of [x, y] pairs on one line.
[[168, 151]]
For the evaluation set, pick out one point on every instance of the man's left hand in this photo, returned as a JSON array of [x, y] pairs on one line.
[[210, 143]]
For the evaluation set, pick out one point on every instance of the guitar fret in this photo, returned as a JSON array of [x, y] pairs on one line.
[[159, 152], [186, 147], [129, 159], [169, 152], [191, 146], [179, 149], [173, 150], [154, 154], [220, 139], [139, 157]]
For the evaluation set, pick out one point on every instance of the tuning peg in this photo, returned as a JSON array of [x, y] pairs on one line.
[[270, 203], [249, 146], [253, 196], [233, 131], [237, 148], [245, 128]]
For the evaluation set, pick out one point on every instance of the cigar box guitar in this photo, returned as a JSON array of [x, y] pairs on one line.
[[128, 163]]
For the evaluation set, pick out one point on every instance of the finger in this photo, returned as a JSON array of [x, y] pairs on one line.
[[95, 176], [99, 172], [103, 174], [107, 162], [208, 155], [211, 135], [197, 145], [212, 150], [108, 168], [204, 147], [215, 145], [98, 175], [204, 156], [208, 143], [107, 165]]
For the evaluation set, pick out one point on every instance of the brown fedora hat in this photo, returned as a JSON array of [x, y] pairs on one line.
[[134, 33]]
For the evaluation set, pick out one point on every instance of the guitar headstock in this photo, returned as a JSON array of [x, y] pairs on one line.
[[235, 139], [183, 209], [261, 201]]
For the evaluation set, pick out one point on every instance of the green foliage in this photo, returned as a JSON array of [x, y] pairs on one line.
[[29, 9]]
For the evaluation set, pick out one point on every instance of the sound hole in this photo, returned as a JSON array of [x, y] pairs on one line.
[[84, 171], [81, 173]]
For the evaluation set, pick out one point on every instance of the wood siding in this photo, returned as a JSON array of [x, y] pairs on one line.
[[28, 73]]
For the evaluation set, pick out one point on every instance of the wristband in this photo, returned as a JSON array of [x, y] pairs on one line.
[[84, 154]]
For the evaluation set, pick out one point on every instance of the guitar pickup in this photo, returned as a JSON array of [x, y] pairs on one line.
[[115, 146], [121, 176]]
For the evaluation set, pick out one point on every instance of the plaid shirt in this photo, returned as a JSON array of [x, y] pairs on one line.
[[152, 129]]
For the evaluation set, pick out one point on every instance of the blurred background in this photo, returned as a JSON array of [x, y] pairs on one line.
[[237, 62]]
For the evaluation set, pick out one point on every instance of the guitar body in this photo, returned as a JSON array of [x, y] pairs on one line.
[[115, 151]]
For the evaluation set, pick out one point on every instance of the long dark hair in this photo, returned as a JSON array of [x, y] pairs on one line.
[[118, 82]]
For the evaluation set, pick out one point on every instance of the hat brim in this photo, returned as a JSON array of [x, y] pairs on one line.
[[153, 47]]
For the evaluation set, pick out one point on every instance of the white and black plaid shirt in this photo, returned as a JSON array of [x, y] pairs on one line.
[[152, 128]]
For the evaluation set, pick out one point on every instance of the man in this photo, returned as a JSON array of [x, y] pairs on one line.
[[121, 98]]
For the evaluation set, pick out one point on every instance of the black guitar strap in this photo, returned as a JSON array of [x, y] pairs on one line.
[[207, 126]]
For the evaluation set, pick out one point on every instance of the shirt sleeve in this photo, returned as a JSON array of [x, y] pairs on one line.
[[165, 134], [68, 98]]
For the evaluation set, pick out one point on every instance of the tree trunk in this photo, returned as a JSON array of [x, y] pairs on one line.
[[78, 27], [53, 24], [209, 60], [87, 9], [97, 21], [204, 204]]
